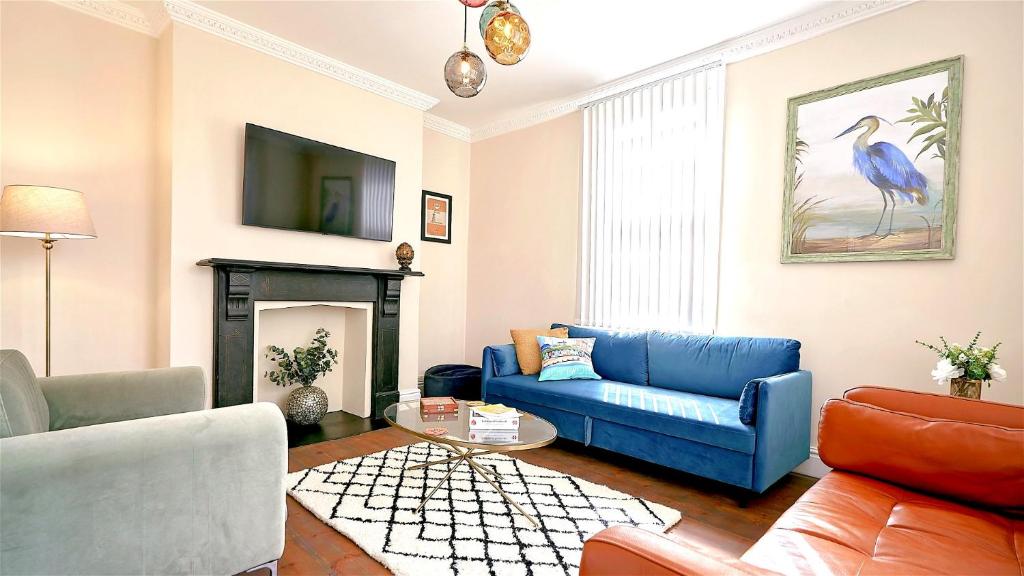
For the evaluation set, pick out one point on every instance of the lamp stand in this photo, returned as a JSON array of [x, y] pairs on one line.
[[47, 248]]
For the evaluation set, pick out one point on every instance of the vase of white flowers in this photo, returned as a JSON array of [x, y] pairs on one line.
[[965, 368]]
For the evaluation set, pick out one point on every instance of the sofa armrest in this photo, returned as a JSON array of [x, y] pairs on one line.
[[195, 493], [623, 550], [87, 399], [783, 426]]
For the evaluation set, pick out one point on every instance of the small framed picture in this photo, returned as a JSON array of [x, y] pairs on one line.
[[436, 217]]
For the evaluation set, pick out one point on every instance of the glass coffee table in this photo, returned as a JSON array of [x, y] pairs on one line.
[[534, 432]]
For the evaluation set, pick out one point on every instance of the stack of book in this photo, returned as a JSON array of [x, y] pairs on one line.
[[493, 424], [439, 409]]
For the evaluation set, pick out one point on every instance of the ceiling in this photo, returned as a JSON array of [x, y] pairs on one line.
[[577, 45]]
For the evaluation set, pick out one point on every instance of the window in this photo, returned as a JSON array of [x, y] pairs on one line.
[[651, 204]]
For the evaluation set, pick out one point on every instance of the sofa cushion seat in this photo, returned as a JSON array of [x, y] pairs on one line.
[[847, 523], [706, 419]]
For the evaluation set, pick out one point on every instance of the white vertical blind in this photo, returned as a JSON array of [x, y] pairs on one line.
[[651, 204]]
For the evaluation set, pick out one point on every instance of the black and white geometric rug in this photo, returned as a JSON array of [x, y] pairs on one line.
[[466, 528]]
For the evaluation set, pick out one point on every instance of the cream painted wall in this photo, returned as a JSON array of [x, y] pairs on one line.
[[858, 321], [78, 105], [446, 170], [524, 228], [218, 86]]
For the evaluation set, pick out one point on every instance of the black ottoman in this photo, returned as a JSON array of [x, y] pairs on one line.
[[456, 380]]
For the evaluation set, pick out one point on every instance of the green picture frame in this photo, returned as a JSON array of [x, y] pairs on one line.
[[827, 220]]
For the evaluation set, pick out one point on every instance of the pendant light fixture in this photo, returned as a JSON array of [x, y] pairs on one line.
[[464, 72], [474, 3], [490, 11], [506, 35]]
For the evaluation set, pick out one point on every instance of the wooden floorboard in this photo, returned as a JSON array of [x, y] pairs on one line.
[[712, 517]]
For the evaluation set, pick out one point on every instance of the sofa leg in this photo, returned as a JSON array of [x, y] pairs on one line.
[[270, 567], [744, 497]]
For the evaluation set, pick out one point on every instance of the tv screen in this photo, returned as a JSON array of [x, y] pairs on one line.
[[295, 183]]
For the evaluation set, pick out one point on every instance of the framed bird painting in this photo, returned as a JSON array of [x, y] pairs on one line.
[[871, 168]]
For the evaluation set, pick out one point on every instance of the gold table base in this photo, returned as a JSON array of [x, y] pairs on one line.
[[466, 455]]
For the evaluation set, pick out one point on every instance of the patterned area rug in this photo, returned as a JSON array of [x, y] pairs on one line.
[[466, 528]]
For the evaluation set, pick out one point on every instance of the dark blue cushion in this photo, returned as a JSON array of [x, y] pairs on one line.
[[704, 419], [618, 355], [716, 365], [505, 361], [748, 403]]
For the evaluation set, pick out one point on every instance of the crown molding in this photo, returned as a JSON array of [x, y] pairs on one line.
[[832, 16], [191, 14], [112, 11], [446, 127]]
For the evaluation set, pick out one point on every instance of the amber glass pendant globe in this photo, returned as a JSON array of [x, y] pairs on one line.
[[492, 9], [465, 74], [507, 38]]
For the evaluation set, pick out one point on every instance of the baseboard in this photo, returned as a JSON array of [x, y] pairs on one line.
[[406, 395], [813, 466]]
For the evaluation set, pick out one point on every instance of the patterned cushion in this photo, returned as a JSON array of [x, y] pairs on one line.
[[527, 350], [566, 358]]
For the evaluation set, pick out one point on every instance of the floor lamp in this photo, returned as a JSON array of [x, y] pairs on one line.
[[49, 214]]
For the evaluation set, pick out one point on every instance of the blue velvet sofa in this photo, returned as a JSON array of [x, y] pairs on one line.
[[737, 410]]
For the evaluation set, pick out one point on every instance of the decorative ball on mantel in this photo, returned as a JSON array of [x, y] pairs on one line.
[[404, 254]]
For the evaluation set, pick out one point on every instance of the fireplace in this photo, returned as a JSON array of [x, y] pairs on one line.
[[289, 324], [240, 284]]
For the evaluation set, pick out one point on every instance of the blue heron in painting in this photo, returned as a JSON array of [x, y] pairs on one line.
[[887, 168]]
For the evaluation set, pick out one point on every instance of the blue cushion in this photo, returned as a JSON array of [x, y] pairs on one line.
[[705, 419], [566, 359], [505, 361], [716, 365], [748, 403], [618, 355]]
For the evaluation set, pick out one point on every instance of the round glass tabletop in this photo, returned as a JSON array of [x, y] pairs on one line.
[[533, 431]]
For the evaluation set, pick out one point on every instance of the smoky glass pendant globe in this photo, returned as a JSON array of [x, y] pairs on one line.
[[465, 74]]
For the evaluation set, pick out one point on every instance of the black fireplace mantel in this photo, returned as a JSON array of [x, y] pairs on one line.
[[240, 283]]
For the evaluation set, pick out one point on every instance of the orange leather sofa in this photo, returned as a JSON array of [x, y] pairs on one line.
[[921, 484]]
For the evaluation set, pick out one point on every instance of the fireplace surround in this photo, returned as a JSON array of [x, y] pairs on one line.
[[239, 283]]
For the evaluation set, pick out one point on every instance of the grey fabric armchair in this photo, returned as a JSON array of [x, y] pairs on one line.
[[125, 473]]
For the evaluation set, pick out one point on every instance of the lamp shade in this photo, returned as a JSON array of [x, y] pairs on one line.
[[38, 211]]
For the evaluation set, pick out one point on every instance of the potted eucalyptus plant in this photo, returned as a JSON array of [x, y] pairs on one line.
[[965, 368], [307, 404]]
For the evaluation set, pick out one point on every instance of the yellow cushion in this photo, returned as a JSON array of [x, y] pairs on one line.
[[527, 348]]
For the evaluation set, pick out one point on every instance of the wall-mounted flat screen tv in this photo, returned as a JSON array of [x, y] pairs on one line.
[[295, 183]]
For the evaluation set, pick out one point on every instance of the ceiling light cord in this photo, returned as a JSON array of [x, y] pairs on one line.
[[465, 27]]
